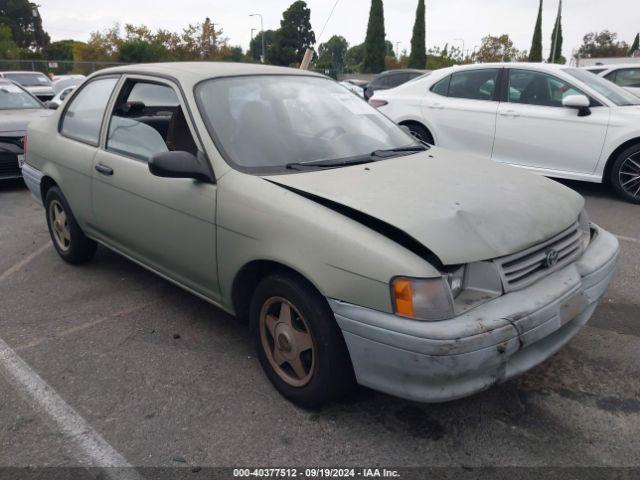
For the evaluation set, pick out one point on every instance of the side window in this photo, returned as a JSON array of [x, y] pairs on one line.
[[83, 119], [148, 119], [629, 77], [536, 88], [442, 87], [474, 84]]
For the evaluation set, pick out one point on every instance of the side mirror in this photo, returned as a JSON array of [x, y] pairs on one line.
[[51, 105], [179, 165], [579, 102]]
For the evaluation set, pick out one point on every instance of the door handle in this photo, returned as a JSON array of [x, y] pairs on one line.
[[437, 106], [510, 113], [103, 169]]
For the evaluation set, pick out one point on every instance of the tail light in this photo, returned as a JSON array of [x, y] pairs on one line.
[[377, 103]]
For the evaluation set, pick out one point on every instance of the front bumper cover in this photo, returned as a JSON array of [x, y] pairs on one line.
[[441, 361]]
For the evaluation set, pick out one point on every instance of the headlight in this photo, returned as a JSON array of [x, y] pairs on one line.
[[427, 299], [585, 226]]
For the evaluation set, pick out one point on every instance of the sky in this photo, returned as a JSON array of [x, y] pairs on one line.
[[448, 21]]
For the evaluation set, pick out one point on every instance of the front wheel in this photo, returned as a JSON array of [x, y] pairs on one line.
[[299, 344], [625, 174], [421, 133], [70, 243]]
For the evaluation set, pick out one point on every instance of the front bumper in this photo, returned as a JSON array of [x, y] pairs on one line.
[[441, 361]]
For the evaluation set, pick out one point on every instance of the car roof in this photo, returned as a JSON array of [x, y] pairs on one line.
[[193, 72], [614, 66], [23, 72]]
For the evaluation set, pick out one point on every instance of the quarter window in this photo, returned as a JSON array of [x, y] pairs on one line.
[[536, 88], [474, 84], [148, 119], [83, 119], [442, 87]]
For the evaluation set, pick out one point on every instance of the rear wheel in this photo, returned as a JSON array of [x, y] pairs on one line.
[[70, 243], [421, 133], [299, 344], [625, 174]]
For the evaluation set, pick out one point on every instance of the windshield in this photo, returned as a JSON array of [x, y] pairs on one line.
[[12, 97], [29, 79], [265, 123], [613, 92]]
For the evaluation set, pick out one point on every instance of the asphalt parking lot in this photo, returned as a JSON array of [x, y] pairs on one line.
[[169, 380]]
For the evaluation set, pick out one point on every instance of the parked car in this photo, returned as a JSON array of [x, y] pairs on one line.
[[550, 119], [391, 79], [353, 88], [625, 75], [17, 108], [356, 252], [70, 76], [35, 82]]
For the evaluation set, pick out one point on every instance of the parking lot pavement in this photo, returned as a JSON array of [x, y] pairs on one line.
[[163, 377]]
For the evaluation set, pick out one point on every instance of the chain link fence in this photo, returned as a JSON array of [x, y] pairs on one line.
[[55, 67]]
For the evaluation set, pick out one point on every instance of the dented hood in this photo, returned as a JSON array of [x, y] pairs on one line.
[[460, 207]]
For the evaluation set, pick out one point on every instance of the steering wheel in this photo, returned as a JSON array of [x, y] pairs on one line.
[[336, 129]]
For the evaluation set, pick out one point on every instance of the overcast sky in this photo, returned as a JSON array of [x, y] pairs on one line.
[[447, 20]]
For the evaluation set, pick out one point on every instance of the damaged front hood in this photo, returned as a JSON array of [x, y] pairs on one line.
[[462, 208]]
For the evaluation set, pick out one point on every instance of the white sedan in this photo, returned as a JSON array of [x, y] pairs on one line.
[[626, 75], [550, 119]]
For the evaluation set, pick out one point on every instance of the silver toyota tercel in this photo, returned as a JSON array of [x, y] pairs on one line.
[[357, 253]]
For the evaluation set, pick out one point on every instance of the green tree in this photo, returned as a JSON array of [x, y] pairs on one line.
[[255, 47], [141, 51], [353, 58], [602, 44], [331, 55], [8, 48], [498, 49], [23, 18], [374, 43], [445, 57], [60, 50], [418, 57], [635, 47], [555, 56], [293, 37], [535, 54]]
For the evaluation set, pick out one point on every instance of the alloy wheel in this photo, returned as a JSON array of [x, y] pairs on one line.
[[59, 225], [287, 341], [629, 175]]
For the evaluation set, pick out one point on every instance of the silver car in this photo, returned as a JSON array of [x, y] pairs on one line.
[[356, 253]]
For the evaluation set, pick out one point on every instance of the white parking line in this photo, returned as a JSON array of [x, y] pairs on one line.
[[25, 261], [628, 239], [91, 449]]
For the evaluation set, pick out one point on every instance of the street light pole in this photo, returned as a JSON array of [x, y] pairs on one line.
[[262, 58]]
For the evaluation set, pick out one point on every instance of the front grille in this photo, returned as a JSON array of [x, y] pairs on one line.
[[524, 268], [9, 165]]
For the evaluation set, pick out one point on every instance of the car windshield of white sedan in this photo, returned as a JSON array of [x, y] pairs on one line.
[[271, 122], [13, 97], [613, 92], [29, 79]]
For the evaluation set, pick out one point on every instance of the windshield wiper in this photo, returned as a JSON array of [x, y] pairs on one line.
[[305, 165], [392, 152]]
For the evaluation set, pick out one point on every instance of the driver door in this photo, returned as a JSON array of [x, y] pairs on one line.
[[168, 224], [533, 129]]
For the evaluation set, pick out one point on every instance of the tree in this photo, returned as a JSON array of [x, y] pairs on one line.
[[374, 43], [255, 47], [60, 50], [445, 57], [141, 51], [635, 48], [602, 44], [535, 54], [332, 53], [23, 18], [555, 55], [418, 57], [8, 48], [293, 37], [498, 49], [353, 58]]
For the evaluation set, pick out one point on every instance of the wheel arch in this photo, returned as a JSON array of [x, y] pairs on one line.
[[420, 124], [606, 174], [45, 184]]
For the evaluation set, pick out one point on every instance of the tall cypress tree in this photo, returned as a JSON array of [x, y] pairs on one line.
[[374, 44], [636, 45], [535, 54], [418, 57], [555, 56]]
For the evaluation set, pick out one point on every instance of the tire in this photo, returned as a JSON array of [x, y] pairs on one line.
[[71, 244], [324, 371], [421, 133], [625, 174]]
